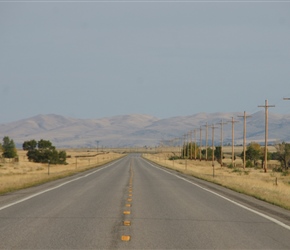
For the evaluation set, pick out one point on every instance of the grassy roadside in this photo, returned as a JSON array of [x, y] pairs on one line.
[[253, 182], [24, 174]]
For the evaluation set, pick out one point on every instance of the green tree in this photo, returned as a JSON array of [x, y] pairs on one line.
[[43, 151], [62, 157], [8, 148], [217, 153], [283, 154], [44, 144], [189, 150], [253, 153], [29, 145], [209, 153]]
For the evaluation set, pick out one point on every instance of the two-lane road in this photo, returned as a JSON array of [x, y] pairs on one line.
[[161, 210]]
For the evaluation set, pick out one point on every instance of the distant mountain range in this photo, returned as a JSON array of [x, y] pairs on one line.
[[141, 130]]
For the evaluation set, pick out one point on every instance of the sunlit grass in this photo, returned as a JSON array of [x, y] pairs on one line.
[[250, 181], [22, 174]]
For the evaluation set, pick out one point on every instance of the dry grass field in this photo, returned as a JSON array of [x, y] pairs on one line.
[[22, 174], [273, 187]]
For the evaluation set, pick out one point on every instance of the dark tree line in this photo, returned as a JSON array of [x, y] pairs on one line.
[[254, 153], [190, 150]]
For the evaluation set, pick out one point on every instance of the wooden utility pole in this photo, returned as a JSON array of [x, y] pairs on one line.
[[206, 140], [266, 106], [200, 143], [245, 135], [184, 150], [222, 123], [188, 143], [180, 147], [194, 131], [286, 99], [212, 147], [190, 132], [233, 140], [184, 145]]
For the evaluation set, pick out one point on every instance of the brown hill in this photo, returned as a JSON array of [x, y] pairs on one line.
[[139, 130]]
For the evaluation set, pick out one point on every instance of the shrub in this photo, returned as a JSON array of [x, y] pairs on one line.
[[174, 157], [285, 173], [249, 164]]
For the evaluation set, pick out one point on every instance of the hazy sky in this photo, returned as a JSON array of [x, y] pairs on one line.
[[93, 59]]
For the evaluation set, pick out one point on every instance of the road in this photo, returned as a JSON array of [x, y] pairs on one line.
[[134, 204]]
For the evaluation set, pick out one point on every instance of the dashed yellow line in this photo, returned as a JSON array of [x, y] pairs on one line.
[[128, 205], [127, 223], [126, 237]]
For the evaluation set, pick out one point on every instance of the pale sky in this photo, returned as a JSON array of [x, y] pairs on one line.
[[93, 59]]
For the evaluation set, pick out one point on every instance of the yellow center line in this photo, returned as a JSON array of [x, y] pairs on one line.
[[127, 223], [126, 237]]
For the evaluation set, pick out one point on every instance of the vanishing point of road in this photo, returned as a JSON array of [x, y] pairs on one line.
[[134, 204]]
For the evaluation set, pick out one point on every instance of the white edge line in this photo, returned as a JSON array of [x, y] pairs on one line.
[[50, 189], [225, 198]]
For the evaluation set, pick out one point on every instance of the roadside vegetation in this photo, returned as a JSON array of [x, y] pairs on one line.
[[18, 173], [40, 162], [272, 187], [43, 152]]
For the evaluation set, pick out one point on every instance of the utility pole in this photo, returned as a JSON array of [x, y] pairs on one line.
[[212, 145], [206, 140], [286, 99], [233, 140], [200, 143], [186, 148], [190, 144], [245, 135], [222, 123], [180, 146], [184, 143], [194, 131], [48, 167], [266, 106], [187, 145]]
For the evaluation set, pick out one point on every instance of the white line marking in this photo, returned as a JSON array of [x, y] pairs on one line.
[[50, 189], [225, 198]]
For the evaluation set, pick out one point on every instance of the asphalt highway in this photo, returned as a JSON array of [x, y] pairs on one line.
[[135, 204]]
